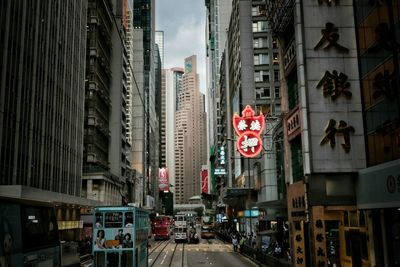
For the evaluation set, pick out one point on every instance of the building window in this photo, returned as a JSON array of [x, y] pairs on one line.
[[261, 76], [276, 75], [261, 59], [277, 95], [254, 11], [260, 43], [260, 26]]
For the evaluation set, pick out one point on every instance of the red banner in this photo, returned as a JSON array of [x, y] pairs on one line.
[[204, 181], [163, 179]]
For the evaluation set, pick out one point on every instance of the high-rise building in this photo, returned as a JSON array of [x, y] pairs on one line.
[[378, 191], [144, 18], [159, 39], [190, 135], [106, 165], [249, 75], [136, 105], [42, 97], [170, 87], [218, 15], [323, 133]]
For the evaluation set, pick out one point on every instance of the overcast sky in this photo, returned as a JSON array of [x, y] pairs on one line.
[[183, 23]]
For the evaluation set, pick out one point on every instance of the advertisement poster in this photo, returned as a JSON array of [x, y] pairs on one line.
[[163, 179]]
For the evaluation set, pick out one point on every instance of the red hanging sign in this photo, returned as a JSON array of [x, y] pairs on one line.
[[249, 128]]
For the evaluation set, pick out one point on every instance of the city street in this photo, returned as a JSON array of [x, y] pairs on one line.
[[209, 252]]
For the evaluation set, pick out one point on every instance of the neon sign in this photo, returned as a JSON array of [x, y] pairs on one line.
[[248, 128]]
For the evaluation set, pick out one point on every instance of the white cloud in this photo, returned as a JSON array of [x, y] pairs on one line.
[[183, 23]]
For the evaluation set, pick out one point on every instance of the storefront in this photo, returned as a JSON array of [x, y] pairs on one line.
[[378, 197]]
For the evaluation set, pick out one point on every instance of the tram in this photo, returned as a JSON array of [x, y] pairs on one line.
[[161, 226], [120, 236], [207, 227], [28, 234]]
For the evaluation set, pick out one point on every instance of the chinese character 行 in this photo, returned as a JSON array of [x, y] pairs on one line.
[[331, 131]]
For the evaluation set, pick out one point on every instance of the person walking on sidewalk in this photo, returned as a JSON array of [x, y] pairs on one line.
[[235, 243]]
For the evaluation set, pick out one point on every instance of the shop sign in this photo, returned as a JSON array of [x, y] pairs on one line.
[[248, 128], [222, 155], [296, 201], [219, 171], [379, 186]]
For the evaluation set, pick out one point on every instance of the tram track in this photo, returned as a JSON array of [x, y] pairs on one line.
[[167, 254], [159, 253], [172, 256], [158, 245]]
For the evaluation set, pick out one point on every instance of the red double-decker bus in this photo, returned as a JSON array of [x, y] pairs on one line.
[[161, 226]]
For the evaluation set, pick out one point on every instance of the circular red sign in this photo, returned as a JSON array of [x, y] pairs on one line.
[[249, 144]]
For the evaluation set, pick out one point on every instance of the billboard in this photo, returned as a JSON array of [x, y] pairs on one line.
[[204, 181], [163, 179]]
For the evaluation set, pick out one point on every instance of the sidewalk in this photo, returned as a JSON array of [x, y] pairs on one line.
[[257, 256]]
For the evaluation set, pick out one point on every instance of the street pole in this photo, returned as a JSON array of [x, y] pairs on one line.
[[249, 193]]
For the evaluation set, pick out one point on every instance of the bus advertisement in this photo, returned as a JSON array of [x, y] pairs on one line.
[[120, 236], [28, 234]]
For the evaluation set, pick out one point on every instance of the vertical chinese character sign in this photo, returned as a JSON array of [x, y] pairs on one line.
[[248, 128]]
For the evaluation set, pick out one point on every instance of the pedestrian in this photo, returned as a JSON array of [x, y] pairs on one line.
[[241, 244], [235, 243]]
